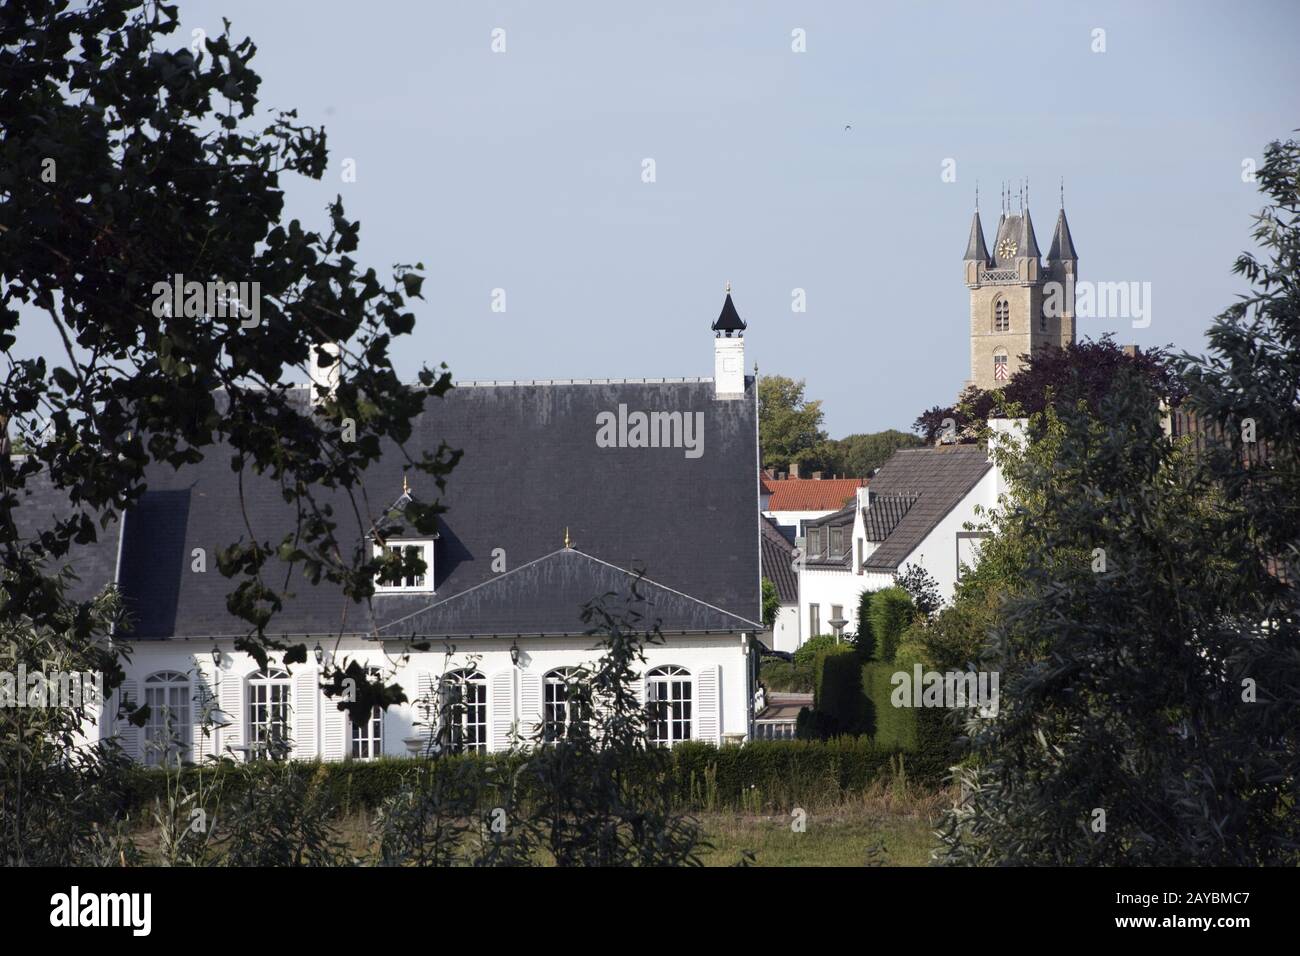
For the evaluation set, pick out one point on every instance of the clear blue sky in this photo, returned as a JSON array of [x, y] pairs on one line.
[[522, 170]]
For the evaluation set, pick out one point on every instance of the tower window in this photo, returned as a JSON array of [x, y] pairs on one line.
[[1001, 316], [1042, 322], [1000, 367]]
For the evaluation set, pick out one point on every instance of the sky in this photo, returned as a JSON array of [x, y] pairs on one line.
[[523, 171]]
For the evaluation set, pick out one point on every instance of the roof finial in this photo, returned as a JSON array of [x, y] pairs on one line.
[[406, 486], [566, 537], [728, 289], [977, 195], [1062, 192]]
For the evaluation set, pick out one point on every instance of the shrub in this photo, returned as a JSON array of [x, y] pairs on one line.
[[890, 614], [787, 677], [810, 648], [839, 696], [864, 637], [819, 666]]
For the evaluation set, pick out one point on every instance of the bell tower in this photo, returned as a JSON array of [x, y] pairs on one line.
[[1015, 304]]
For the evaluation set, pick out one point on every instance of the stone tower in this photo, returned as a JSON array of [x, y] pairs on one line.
[[1017, 303]]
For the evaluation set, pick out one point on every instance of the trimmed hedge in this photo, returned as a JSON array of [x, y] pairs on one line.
[[765, 774], [891, 612]]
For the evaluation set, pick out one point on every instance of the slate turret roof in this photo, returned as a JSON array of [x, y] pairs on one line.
[[1062, 243], [729, 319], [975, 248]]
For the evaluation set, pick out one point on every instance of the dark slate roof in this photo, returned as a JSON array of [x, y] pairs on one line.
[[729, 319], [938, 478], [884, 514], [1028, 241], [975, 248], [40, 505], [545, 597], [531, 469], [1062, 243], [778, 558]]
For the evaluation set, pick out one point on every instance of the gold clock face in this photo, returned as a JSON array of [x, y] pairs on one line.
[[1006, 248]]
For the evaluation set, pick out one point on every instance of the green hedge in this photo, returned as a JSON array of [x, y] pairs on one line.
[[891, 612], [763, 775]]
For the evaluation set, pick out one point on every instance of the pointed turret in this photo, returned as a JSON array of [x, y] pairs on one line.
[[976, 251], [1028, 244], [729, 319], [1062, 245]]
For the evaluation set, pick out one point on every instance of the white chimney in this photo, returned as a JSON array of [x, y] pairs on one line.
[[324, 378], [729, 352]]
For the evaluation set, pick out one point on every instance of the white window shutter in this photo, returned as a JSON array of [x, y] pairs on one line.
[[200, 704], [306, 699], [128, 734], [502, 704], [707, 705], [334, 725], [424, 708], [231, 694], [530, 704]]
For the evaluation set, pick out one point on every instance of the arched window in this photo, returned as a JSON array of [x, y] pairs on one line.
[[1001, 315], [169, 731], [268, 714], [463, 718], [563, 707], [1000, 369], [669, 697], [1042, 322], [368, 736]]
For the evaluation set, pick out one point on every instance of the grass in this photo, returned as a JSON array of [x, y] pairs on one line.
[[890, 824], [886, 826]]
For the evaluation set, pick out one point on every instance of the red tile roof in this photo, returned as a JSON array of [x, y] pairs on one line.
[[810, 494]]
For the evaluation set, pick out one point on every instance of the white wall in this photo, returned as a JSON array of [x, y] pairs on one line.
[[784, 635], [320, 730], [938, 552]]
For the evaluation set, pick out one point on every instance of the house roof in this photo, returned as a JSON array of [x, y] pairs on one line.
[[811, 494], [39, 506], [778, 559], [938, 478], [531, 469], [545, 597]]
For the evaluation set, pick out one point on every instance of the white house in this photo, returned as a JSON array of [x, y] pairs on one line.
[[566, 491], [914, 512], [778, 567]]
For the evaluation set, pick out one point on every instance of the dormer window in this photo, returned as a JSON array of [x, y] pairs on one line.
[[409, 581], [815, 542], [837, 542]]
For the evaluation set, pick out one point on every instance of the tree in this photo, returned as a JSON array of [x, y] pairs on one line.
[[1150, 693], [1053, 375], [858, 456], [771, 603], [789, 427], [127, 166]]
